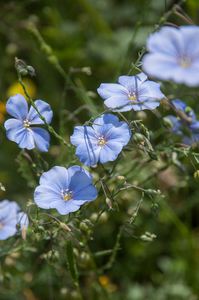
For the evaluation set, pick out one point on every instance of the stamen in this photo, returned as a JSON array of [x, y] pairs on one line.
[[66, 194], [1, 225], [132, 94], [184, 60], [27, 123], [101, 141]]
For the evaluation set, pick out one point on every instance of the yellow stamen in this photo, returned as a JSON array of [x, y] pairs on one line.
[[101, 141], [1, 225], [185, 61], [66, 195]]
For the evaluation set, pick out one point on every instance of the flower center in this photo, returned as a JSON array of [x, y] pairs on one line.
[[132, 94], [101, 140], [66, 194], [184, 60], [1, 225], [26, 123]]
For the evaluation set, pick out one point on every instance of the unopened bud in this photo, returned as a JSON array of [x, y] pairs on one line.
[[145, 238], [109, 203], [153, 155], [155, 209], [64, 226], [24, 231], [23, 72], [167, 124], [52, 257], [196, 175], [87, 70], [31, 70], [120, 177], [139, 138]]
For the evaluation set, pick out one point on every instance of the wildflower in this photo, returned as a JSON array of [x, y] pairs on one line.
[[10, 217], [174, 55], [103, 141], [19, 130], [65, 190], [132, 92], [186, 123]]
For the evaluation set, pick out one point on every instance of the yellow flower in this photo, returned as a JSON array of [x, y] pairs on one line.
[[16, 88]]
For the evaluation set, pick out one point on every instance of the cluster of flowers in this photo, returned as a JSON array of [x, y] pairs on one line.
[[174, 55]]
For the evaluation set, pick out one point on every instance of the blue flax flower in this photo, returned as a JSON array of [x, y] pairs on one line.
[[65, 189], [132, 92], [186, 123], [9, 217], [103, 141], [19, 130], [174, 55]]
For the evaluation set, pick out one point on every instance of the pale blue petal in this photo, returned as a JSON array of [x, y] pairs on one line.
[[105, 119], [107, 90], [22, 218], [44, 109], [7, 231], [114, 102], [83, 134], [168, 40], [65, 207], [191, 44], [132, 82], [79, 179], [179, 104], [88, 155], [24, 139], [8, 209], [42, 138], [56, 178], [12, 126], [17, 107], [109, 152], [120, 134], [150, 90], [45, 196], [87, 194]]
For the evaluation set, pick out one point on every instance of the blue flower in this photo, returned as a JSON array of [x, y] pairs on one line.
[[103, 141], [9, 217], [132, 92], [174, 55], [65, 189], [186, 123], [18, 130]]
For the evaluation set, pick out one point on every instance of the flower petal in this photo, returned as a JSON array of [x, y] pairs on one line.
[[12, 126], [41, 137], [56, 178], [114, 102], [110, 152], [134, 82], [88, 154], [17, 107], [87, 194], [83, 134], [107, 90], [44, 109], [150, 91], [79, 179]]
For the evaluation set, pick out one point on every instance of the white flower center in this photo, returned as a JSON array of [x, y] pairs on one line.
[[132, 94], [101, 140], [66, 194], [27, 123], [1, 225], [184, 60]]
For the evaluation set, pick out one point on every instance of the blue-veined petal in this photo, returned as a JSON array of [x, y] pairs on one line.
[[132, 82], [56, 178], [79, 179], [17, 107], [41, 137], [44, 109], [88, 155], [107, 90]]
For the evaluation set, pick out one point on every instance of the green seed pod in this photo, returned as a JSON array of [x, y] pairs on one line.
[[139, 138], [31, 70], [52, 257], [155, 209], [145, 238], [167, 124], [23, 72], [196, 176]]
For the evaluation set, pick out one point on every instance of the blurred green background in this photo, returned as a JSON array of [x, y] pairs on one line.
[[105, 36]]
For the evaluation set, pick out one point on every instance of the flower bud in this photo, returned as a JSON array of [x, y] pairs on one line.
[[153, 155], [155, 209], [23, 72], [52, 257], [167, 124], [31, 70], [196, 176], [145, 238], [64, 226], [120, 177], [109, 203], [24, 231], [139, 138], [87, 70]]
